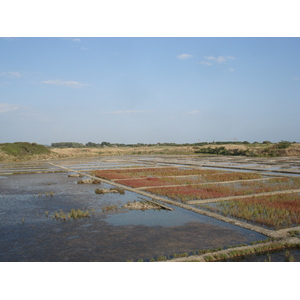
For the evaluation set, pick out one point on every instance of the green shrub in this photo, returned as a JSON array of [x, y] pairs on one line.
[[283, 145], [221, 151], [24, 149]]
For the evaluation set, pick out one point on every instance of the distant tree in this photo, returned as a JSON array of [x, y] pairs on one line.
[[90, 144], [283, 145], [67, 145], [106, 144]]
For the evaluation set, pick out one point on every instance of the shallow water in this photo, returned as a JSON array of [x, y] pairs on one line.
[[27, 234]]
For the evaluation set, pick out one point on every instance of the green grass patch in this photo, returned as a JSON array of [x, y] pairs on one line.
[[24, 149]]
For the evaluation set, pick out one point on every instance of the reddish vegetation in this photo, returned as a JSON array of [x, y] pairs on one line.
[[229, 176], [190, 192], [147, 172], [150, 181], [277, 211], [204, 175], [160, 181], [194, 187]]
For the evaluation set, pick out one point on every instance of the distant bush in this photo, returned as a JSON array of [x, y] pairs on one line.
[[283, 145], [67, 145], [93, 145], [80, 145], [221, 151], [265, 151]]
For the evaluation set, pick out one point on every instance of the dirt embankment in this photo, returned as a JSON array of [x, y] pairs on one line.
[[80, 152], [56, 153]]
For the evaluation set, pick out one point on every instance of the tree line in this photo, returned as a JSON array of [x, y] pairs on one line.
[[107, 144]]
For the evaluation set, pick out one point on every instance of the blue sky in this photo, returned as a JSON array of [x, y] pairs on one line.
[[149, 90]]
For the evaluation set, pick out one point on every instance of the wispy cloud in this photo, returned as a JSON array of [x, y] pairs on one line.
[[76, 40], [210, 60], [7, 107], [69, 84], [11, 74], [219, 59], [126, 111], [193, 112], [184, 56], [205, 63], [296, 78]]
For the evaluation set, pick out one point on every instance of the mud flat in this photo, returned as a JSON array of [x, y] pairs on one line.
[[28, 201], [122, 235]]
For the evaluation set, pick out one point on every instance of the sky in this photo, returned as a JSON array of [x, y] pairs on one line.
[[149, 90]]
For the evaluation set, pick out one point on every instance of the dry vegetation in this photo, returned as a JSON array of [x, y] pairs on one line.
[[141, 205], [54, 153], [81, 152]]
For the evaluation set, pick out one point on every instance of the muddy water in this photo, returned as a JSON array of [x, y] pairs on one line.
[[27, 234]]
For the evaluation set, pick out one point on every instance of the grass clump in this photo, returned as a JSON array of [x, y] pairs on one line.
[[111, 190], [162, 258], [73, 214], [141, 205], [208, 258], [118, 190], [288, 256], [262, 241], [110, 208], [88, 181], [185, 254]]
